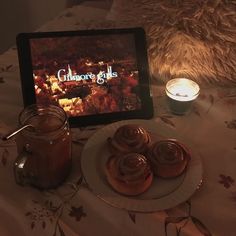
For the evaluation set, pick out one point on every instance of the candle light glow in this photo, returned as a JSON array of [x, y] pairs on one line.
[[181, 93], [182, 89]]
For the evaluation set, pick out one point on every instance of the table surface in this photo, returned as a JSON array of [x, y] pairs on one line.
[[73, 209]]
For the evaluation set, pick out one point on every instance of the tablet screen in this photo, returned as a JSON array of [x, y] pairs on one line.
[[86, 75], [96, 76]]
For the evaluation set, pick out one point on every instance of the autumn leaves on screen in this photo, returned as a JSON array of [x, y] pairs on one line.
[[86, 74]]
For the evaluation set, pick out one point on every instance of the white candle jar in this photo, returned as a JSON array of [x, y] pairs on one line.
[[181, 93]]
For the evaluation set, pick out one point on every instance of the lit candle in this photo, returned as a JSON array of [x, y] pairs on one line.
[[181, 92]]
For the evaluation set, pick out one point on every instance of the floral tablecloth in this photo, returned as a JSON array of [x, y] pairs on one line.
[[73, 210]]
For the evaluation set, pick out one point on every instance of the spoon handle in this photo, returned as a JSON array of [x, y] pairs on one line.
[[14, 132]]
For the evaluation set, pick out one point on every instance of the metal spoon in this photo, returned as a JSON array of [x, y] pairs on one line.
[[16, 131]]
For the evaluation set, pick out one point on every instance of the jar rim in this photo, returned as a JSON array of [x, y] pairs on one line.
[[39, 108]]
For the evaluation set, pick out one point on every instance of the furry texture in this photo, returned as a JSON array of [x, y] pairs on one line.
[[189, 38]]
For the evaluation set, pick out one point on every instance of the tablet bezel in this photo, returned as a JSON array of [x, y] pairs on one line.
[[27, 81]]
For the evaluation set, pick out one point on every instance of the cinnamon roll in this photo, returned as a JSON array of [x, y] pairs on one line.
[[129, 138], [129, 174], [168, 158]]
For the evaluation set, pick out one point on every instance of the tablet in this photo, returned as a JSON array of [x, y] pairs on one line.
[[96, 76]]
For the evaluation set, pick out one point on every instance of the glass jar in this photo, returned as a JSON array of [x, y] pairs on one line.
[[44, 150]]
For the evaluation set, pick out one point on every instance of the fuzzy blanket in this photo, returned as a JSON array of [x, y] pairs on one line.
[[186, 38]]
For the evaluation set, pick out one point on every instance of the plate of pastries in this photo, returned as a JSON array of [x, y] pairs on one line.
[[140, 165]]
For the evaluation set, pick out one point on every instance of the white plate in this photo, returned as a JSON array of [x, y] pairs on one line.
[[162, 194]]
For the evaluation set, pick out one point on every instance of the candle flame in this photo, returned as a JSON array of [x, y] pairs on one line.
[[182, 89]]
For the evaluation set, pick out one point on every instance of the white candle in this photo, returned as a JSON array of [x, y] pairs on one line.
[[182, 89], [181, 93]]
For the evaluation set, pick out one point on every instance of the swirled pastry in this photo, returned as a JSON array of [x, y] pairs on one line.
[[168, 158], [129, 138], [129, 174]]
